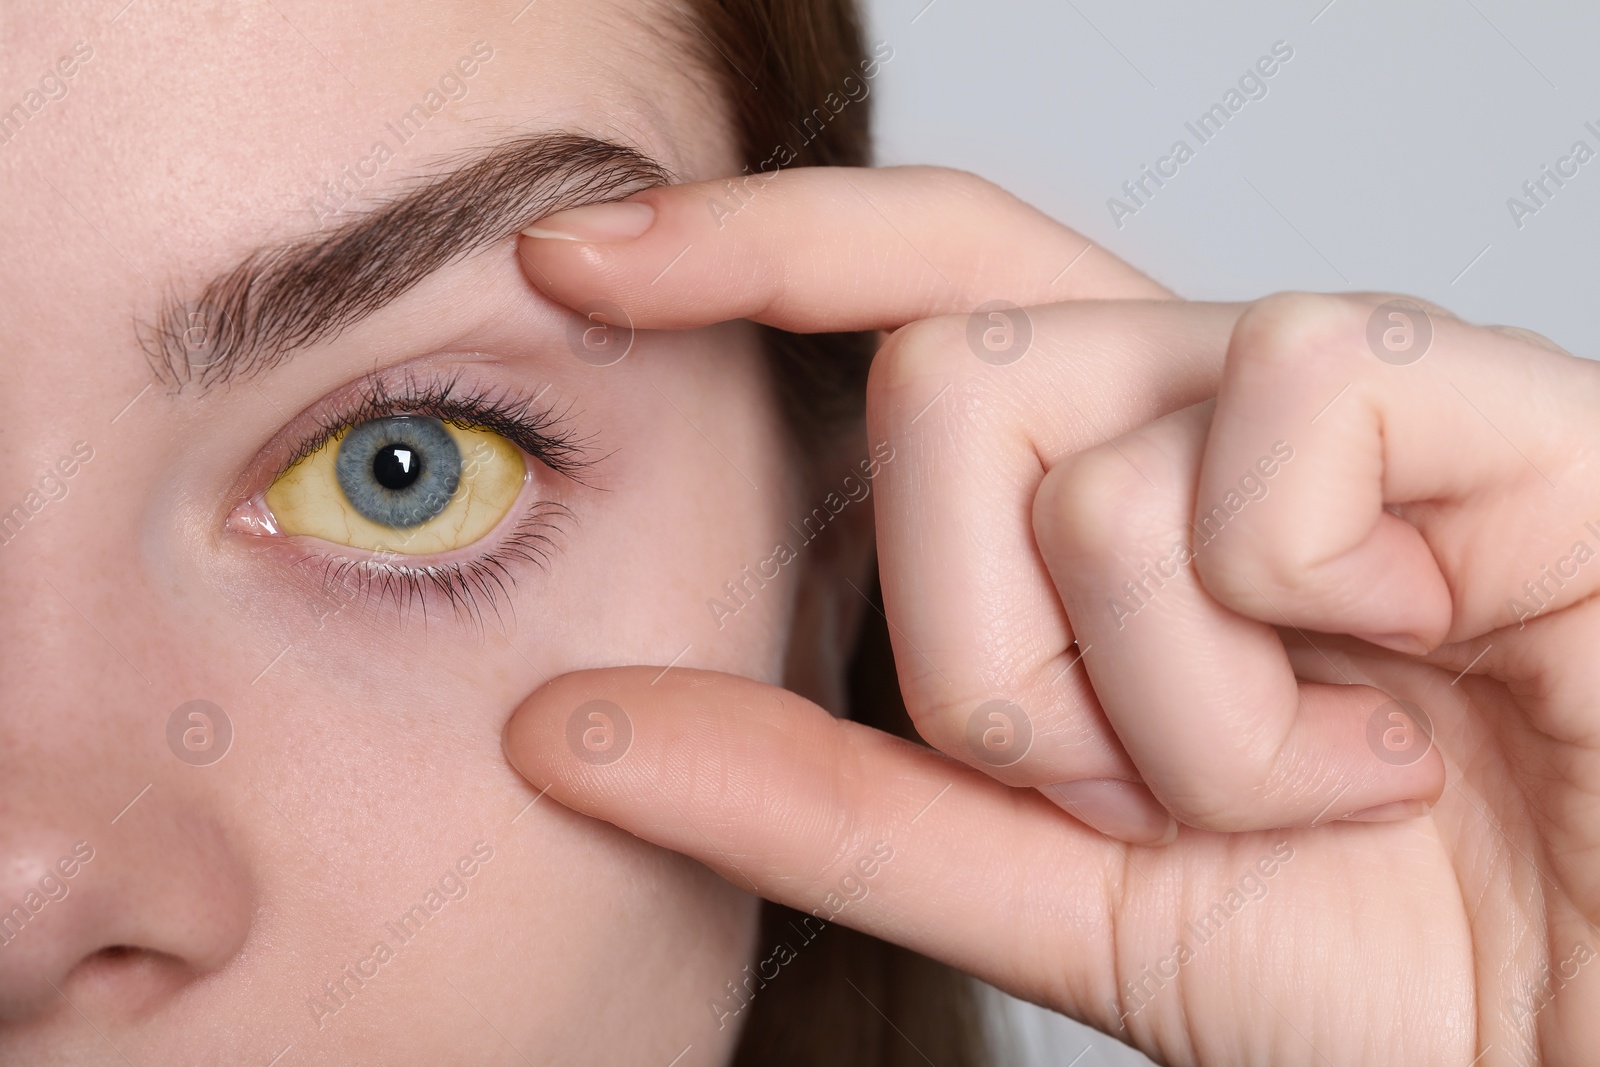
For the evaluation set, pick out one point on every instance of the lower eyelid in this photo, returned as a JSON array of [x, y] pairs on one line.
[[467, 580]]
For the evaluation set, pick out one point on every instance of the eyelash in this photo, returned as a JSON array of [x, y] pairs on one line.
[[468, 586]]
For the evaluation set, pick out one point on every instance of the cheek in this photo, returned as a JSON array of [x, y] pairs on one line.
[[694, 489], [677, 564], [366, 757]]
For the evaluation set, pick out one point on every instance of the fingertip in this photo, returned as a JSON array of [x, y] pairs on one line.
[[608, 223], [1395, 811], [1126, 811], [1406, 644], [515, 736]]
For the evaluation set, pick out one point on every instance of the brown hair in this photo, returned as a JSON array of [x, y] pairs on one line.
[[793, 72]]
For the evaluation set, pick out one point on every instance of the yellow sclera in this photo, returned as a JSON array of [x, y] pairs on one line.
[[307, 500]]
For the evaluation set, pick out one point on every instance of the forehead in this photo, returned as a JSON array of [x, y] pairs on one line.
[[187, 134]]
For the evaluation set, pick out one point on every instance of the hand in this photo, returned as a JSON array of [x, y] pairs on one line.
[[1408, 499], [970, 512]]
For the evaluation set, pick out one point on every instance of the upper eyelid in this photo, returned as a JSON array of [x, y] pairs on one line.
[[540, 428]]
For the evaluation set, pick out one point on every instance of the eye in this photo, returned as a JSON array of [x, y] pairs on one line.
[[408, 484]]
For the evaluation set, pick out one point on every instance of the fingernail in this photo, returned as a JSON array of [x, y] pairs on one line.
[[1394, 811], [1405, 643], [1123, 810], [622, 220]]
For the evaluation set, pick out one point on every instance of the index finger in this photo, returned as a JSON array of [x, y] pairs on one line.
[[835, 819], [816, 249]]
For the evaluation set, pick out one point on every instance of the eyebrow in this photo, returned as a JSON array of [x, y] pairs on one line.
[[287, 296]]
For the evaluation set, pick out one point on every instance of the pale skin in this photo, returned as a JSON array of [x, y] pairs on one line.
[[1421, 537], [366, 763], [229, 894]]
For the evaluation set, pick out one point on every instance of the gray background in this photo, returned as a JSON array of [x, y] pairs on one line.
[[1382, 156]]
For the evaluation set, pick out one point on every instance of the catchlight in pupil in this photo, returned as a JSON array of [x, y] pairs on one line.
[[395, 466], [400, 471]]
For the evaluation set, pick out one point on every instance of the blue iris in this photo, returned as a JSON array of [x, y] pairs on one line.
[[399, 471]]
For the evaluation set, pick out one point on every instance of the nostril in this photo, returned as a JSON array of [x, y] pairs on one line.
[[126, 980], [114, 952], [163, 903]]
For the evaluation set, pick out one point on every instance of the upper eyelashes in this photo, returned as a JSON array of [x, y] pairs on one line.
[[424, 468], [541, 432]]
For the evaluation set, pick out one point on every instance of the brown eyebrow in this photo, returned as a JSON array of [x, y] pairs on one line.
[[284, 297]]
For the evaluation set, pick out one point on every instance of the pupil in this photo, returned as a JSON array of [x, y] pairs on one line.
[[396, 467]]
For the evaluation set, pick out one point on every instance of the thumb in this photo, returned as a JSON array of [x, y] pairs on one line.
[[833, 818]]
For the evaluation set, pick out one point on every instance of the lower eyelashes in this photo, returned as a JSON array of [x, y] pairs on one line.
[[466, 586], [440, 491]]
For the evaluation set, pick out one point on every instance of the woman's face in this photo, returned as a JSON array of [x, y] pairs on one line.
[[361, 877]]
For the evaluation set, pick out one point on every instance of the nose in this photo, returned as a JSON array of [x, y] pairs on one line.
[[118, 916], [120, 882]]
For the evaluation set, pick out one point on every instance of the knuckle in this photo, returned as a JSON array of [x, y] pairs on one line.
[[1254, 571], [1365, 302], [1228, 797], [1242, 581], [1217, 815], [959, 184], [1242, 790]]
